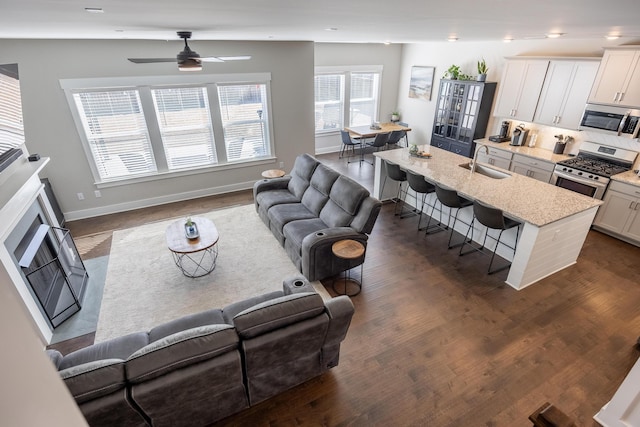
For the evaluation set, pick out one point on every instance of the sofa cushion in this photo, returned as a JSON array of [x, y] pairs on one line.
[[280, 215], [267, 199], [348, 194], [117, 348], [180, 349], [208, 317], [301, 174], [91, 380], [296, 231], [230, 311], [278, 313]]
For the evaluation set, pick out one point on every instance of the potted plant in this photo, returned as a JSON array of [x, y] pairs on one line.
[[482, 70], [191, 229], [453, 72], [395, 116]]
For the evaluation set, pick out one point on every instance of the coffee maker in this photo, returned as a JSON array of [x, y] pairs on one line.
[[520, 135], [504, 133]]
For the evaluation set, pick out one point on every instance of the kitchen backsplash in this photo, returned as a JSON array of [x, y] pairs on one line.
[[547, 140]]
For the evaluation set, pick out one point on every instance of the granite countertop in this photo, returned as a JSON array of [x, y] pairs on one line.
[[628, 177], [538, 153], [519, 197]]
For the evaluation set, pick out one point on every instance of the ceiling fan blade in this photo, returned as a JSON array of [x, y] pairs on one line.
[[150, 60], [235, 58], [211, 59]]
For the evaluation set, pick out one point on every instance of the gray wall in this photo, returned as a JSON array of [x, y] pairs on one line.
[[50, 130]]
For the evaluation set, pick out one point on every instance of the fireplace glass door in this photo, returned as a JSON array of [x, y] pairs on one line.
[[55, 271]]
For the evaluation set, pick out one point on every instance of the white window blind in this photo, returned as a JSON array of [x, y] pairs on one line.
[[243, 110], [329, 102], [184, 120], [11, 127], [116, 132], [363, 100]]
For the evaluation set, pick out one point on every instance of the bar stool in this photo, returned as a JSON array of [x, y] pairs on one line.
[[451, 199], [419, 186], [396, 174], [492, 218]]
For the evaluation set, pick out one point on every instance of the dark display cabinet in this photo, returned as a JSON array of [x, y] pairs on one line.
[[462, 113]]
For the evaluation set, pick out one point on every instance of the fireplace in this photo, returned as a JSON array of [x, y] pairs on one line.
[[54, 270]]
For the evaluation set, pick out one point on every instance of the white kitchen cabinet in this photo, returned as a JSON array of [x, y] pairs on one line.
[[620, 212], [496, 157], [565, 92], [532, 167], [618, 78], [520, 88]]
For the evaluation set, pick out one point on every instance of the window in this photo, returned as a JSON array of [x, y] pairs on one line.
[[364, 98], [11, 128], [142, 127], [115, 129], [244, 117], [329, 97], [184, 120], [346, 97]]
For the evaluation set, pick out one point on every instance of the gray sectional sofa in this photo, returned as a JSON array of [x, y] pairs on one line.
[[203, 367], [311, 209]]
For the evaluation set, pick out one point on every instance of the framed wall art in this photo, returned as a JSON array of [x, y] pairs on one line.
[[421, 82]]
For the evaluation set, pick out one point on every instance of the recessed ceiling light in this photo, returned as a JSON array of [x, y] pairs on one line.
[[612, 37], [331, 29], [507, 39], [93, 9], [387, 43], [452, 39], [554, 35]]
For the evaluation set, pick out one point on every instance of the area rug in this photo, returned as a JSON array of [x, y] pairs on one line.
[[144, 287]]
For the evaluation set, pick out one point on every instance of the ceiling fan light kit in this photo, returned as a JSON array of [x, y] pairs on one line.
[[189, 60]]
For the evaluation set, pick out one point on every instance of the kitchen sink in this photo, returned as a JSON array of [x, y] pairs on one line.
[[486, 171]]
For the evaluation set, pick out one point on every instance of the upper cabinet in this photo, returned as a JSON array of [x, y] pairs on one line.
[[565, 92], [618, 78], [520, 88]]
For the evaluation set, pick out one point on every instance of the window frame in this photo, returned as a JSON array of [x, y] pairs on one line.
[[144, 85], [347, 71]]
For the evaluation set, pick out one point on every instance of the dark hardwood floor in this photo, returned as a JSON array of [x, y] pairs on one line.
[[436, 342]]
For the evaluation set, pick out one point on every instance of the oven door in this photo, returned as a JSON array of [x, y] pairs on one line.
[[579, 185]]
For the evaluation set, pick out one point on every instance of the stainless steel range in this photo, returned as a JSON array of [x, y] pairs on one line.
[[588, 173]]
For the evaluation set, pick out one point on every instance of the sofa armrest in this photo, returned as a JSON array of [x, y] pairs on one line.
[[270, 184], [317, 256], [340, 310], [296, 285]]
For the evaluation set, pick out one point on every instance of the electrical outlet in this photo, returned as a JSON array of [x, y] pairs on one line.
[[80, 196], [97, 193], [281, 165]]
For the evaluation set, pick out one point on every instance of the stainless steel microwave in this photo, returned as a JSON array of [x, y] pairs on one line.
[[620, 121]]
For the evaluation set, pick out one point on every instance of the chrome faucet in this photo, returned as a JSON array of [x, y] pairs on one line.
[[475, 156]]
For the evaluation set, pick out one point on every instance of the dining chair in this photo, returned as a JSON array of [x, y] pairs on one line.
[[380, 141], [395, 137], [349, 144]]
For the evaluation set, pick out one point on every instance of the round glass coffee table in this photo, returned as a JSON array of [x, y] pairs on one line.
[[194, 257]]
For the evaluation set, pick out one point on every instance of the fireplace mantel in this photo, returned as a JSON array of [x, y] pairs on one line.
[[20, 188]]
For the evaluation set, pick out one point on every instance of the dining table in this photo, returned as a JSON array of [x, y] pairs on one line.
[[363, 132]]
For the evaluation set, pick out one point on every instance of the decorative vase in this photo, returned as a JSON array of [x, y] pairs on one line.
[[482, 77], [413, 150], [191, 230]]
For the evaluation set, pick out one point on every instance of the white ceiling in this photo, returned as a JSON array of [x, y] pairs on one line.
[[397, 21]]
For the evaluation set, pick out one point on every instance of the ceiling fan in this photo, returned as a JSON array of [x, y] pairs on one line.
[[189, 60]]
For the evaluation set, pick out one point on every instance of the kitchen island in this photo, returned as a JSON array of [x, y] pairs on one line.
[[555, 221]]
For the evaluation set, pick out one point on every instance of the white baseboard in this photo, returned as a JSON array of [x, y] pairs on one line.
[[155, 201]]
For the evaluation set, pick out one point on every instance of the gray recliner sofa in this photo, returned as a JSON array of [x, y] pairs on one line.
[[311, 209], [203, 367]]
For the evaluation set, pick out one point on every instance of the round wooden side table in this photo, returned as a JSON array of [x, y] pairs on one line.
[[194, 257], [349, 250], [273, 173]]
